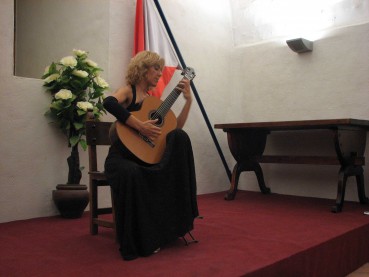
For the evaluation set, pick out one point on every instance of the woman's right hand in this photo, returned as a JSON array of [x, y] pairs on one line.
[[149, 129]]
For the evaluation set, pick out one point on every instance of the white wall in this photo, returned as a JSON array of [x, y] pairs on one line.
[[261, 82]]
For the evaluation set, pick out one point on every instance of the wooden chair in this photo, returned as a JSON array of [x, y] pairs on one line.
[[97, 134]]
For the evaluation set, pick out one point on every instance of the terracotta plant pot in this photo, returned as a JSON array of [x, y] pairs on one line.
[[71, 200]]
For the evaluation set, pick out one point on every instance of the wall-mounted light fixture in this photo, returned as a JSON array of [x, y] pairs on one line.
[[300, 45]]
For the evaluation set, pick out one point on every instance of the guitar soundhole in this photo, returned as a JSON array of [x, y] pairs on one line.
[[155, 115]]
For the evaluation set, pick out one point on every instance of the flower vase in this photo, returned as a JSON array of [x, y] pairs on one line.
[[71, 200]]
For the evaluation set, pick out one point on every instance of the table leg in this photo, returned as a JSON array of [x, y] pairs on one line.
[[344, 173], [361, 189], [349, 143], [237, 170], [341, 187], [246, 146], [231, 194]]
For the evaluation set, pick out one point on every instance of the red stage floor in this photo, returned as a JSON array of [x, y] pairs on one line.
[[254, 235]]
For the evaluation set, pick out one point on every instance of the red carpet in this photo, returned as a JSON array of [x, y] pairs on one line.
[[254, 235]]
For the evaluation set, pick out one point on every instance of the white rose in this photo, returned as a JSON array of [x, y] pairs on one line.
[[91, 63], [80, 73], [85, 106], [79, 52], [63, 94], [69, 61], [101, 82], [51, 78]]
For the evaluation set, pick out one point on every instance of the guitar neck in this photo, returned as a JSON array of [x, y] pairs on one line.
[[188, 74], [168, 102]]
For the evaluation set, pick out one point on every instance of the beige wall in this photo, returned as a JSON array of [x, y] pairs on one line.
[[261, 82], [48, 30]]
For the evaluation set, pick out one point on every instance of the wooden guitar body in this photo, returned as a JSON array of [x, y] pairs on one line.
[[148, 151]]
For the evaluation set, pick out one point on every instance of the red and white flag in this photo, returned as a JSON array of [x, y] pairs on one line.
[[150, 34]]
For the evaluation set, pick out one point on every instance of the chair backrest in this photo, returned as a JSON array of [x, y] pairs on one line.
[[97, 133]]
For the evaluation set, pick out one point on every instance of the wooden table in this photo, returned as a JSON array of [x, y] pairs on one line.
[[247, 142]]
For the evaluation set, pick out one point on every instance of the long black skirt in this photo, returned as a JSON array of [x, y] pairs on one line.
[[154, 204]]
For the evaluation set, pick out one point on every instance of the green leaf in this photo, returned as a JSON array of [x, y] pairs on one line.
[[83, 144], [96, 69], [57, 105], [78, 125], [81, 112], [74, 140], [64, 124], [76, 84], [99, 106], [53, 68]]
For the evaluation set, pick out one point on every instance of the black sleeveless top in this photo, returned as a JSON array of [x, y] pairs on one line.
[[134, 106]]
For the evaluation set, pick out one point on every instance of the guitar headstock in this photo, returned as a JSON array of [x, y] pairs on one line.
[[189, 73]]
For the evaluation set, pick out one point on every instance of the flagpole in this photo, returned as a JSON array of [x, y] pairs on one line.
[[181, 60]]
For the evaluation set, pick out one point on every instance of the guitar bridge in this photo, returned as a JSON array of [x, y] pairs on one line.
[[147, 140]]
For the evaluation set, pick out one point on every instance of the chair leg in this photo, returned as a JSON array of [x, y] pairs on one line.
[[113, 213], [93, 208]]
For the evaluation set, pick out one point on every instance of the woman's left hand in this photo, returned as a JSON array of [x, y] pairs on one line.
[[184, 87]]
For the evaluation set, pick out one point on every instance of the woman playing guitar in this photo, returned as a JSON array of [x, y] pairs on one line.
[[154, 203]]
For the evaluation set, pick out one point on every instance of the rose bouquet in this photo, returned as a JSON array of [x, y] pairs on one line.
[[76, 88]]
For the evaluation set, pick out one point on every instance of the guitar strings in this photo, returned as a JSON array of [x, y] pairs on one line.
[[168, 102], [166, 105]]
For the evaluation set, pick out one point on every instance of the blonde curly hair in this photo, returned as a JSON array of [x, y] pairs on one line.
[[140, 64]]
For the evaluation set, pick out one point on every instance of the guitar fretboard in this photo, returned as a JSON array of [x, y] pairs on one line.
[[167, 104]]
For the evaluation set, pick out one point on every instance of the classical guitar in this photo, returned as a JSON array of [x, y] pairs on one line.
[[147, 150]]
